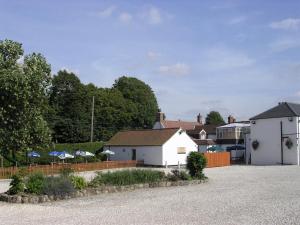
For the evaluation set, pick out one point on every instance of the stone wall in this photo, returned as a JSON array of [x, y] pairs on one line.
[[35, 199]]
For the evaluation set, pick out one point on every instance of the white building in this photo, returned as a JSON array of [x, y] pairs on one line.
[[275, 134], [155, 147]]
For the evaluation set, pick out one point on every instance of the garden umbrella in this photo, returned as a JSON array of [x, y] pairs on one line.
[[108, 152], [65, 155], [235, 147], [54, 153], [84, 153], [33, 154], [215, 148]]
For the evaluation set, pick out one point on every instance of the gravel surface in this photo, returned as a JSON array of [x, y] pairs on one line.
[[233, 195]]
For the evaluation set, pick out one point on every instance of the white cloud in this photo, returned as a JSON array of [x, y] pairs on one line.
[[153, 55], [220, 58], [178, 69], [106, 12], [284, 44], [286, 24], [125, 17], [154, 16]]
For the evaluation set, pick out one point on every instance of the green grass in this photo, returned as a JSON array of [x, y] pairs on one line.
[[127, 177]]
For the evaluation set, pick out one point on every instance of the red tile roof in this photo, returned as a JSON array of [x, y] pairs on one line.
[[185, 125]]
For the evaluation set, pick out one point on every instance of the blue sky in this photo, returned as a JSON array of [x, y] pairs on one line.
[[237, 57]]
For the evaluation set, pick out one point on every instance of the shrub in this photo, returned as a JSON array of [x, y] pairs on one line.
[[58, 186], [78, 182], [127, 177], [196, 162], [16, 185], [35, 183], [176, 175]]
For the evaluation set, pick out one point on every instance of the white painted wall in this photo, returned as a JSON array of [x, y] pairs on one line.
[[179, 139], [157, 155], [151, 155], [267, 132]]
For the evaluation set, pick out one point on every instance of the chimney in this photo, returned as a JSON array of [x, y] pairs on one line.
[[160, 116], [231, 119], [199, 119]]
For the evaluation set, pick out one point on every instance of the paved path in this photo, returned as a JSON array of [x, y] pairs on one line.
[[234, 195]]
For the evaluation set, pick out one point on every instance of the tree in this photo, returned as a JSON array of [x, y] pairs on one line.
[[142, 96], [69, 117], [23, 94], [214, 118]]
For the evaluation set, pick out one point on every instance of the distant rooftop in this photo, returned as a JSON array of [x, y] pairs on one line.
[[283, 109], [235, 125]]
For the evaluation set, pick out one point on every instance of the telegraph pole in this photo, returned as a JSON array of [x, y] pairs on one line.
[[92, 120]]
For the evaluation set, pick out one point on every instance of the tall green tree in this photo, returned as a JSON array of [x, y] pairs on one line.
[[142, 96], [215, 118], [69, 116], [23, 95]]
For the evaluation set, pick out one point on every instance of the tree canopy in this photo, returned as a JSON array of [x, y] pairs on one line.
[[24, 97], [37, 109], [143, 99], [215, 118], [130, 103]]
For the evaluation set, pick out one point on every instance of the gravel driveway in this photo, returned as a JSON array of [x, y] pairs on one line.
[[234, 195]]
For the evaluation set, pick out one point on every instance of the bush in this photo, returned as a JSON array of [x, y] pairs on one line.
[[78, 182], [35, 183], [176, 175], [127, 177], [196, 162], [16, 185], [58, 186]]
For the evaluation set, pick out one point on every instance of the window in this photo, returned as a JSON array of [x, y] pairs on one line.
[[181, 150], [202, 135]]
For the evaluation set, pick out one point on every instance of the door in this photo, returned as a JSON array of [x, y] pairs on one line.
[[133, 154]]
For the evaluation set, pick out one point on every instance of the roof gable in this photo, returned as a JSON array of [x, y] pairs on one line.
[[208, 128], [284, 109], [155, 137]]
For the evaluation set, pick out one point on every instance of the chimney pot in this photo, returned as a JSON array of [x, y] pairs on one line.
[[231, 119], [199, 119]]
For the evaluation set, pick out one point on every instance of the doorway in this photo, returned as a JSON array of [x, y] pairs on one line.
[[133, 154]]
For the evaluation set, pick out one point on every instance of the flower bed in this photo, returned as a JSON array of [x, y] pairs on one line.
[[37, 188], [35, 199]]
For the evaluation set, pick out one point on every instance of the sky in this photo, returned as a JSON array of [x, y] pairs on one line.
[[237, 57]]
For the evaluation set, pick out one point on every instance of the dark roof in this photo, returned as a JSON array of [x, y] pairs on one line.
[[209, 129], [204, 142], [284, 109], [229, 141], [142, 137], [185, 125]]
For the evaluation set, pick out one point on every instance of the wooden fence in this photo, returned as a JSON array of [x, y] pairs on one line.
[[217, 159], [55, 168]]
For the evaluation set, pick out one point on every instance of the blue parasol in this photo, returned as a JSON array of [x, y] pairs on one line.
[[33, 154]]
